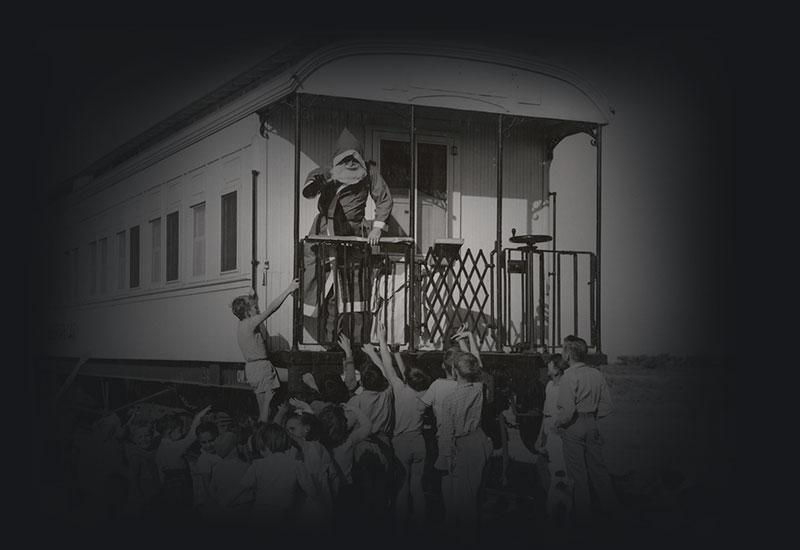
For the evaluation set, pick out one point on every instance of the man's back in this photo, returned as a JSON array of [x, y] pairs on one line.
[[583, 389]]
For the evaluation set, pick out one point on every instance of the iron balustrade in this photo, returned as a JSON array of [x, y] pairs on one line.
[[354, 282], [450, 290], [538, 292]]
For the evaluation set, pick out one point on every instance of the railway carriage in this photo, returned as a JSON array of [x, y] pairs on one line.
[[153, 241]]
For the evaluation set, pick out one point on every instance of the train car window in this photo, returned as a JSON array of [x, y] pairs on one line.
[[103, 264], [172, 246], [155, 248], [134, 256], [93, 268], [73, 277], [228, 260], [122, 258], [199, 240]]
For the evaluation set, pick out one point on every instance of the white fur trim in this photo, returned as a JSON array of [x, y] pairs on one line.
[[348, 152]]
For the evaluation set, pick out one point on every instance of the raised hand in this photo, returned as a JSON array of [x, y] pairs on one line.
[[370, 351], [462, 332], [199, 416], [381, 329], [294, 285], [344, 343], [300, 405]]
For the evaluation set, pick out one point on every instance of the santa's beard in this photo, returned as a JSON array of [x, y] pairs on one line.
[[348, 176]]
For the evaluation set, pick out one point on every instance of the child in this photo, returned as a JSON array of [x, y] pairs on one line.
[[340, 435], [226, 479], [203, 469], [376, 400], [324, 473], [434, 397], [172, 468], [549, 439], [259, 371], [144, 483], [277, 479], [408, 442], [463, 445], [227, 440]]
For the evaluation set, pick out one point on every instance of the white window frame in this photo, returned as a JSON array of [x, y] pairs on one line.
[[198, 241]]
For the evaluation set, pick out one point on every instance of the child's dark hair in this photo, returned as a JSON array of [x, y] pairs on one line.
[[334, 426], [170, 422], [333, 389], [308, 420], [207, 427], [558, 361], [274, 438], [240, 305], [373, 379], [416, 378]]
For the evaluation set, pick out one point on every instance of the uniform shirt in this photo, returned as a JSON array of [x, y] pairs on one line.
[[461, 414], [582, 389]]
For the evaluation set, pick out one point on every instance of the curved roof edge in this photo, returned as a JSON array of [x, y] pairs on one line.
[[283, 73], [453, 50]]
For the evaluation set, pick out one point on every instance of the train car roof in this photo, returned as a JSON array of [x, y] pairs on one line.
[[418, 72]]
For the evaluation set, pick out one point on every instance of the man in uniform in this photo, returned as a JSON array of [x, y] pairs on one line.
[[342, 190], [583, 398]]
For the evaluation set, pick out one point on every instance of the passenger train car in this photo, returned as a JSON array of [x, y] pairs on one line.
[[153, 242]]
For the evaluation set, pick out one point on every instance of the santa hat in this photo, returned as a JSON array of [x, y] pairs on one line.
[[347, 145]]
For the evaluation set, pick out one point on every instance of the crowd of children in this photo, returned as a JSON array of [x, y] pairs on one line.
[[374, 441]]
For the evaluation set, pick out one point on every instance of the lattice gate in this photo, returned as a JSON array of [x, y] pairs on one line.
[[457, 289]]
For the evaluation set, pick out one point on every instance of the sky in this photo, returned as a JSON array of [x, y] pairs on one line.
[[667, 156]]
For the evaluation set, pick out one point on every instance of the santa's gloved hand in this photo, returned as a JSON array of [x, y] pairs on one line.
[[374, 235], [315, 181]]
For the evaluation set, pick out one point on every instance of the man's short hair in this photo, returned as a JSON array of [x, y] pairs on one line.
[[576, 347]]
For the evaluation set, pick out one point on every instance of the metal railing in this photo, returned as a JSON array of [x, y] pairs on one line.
[[352, 282], [536, 286], [544, 293]]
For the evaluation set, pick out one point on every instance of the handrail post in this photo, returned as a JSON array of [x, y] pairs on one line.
[[254, 250], [599, 142], [412, 230], [498, 244], [298, 300]]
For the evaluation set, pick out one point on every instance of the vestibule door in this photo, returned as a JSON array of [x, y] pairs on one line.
[[392, 153]]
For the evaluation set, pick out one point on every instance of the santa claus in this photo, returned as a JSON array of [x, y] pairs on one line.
[[342, 192]]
